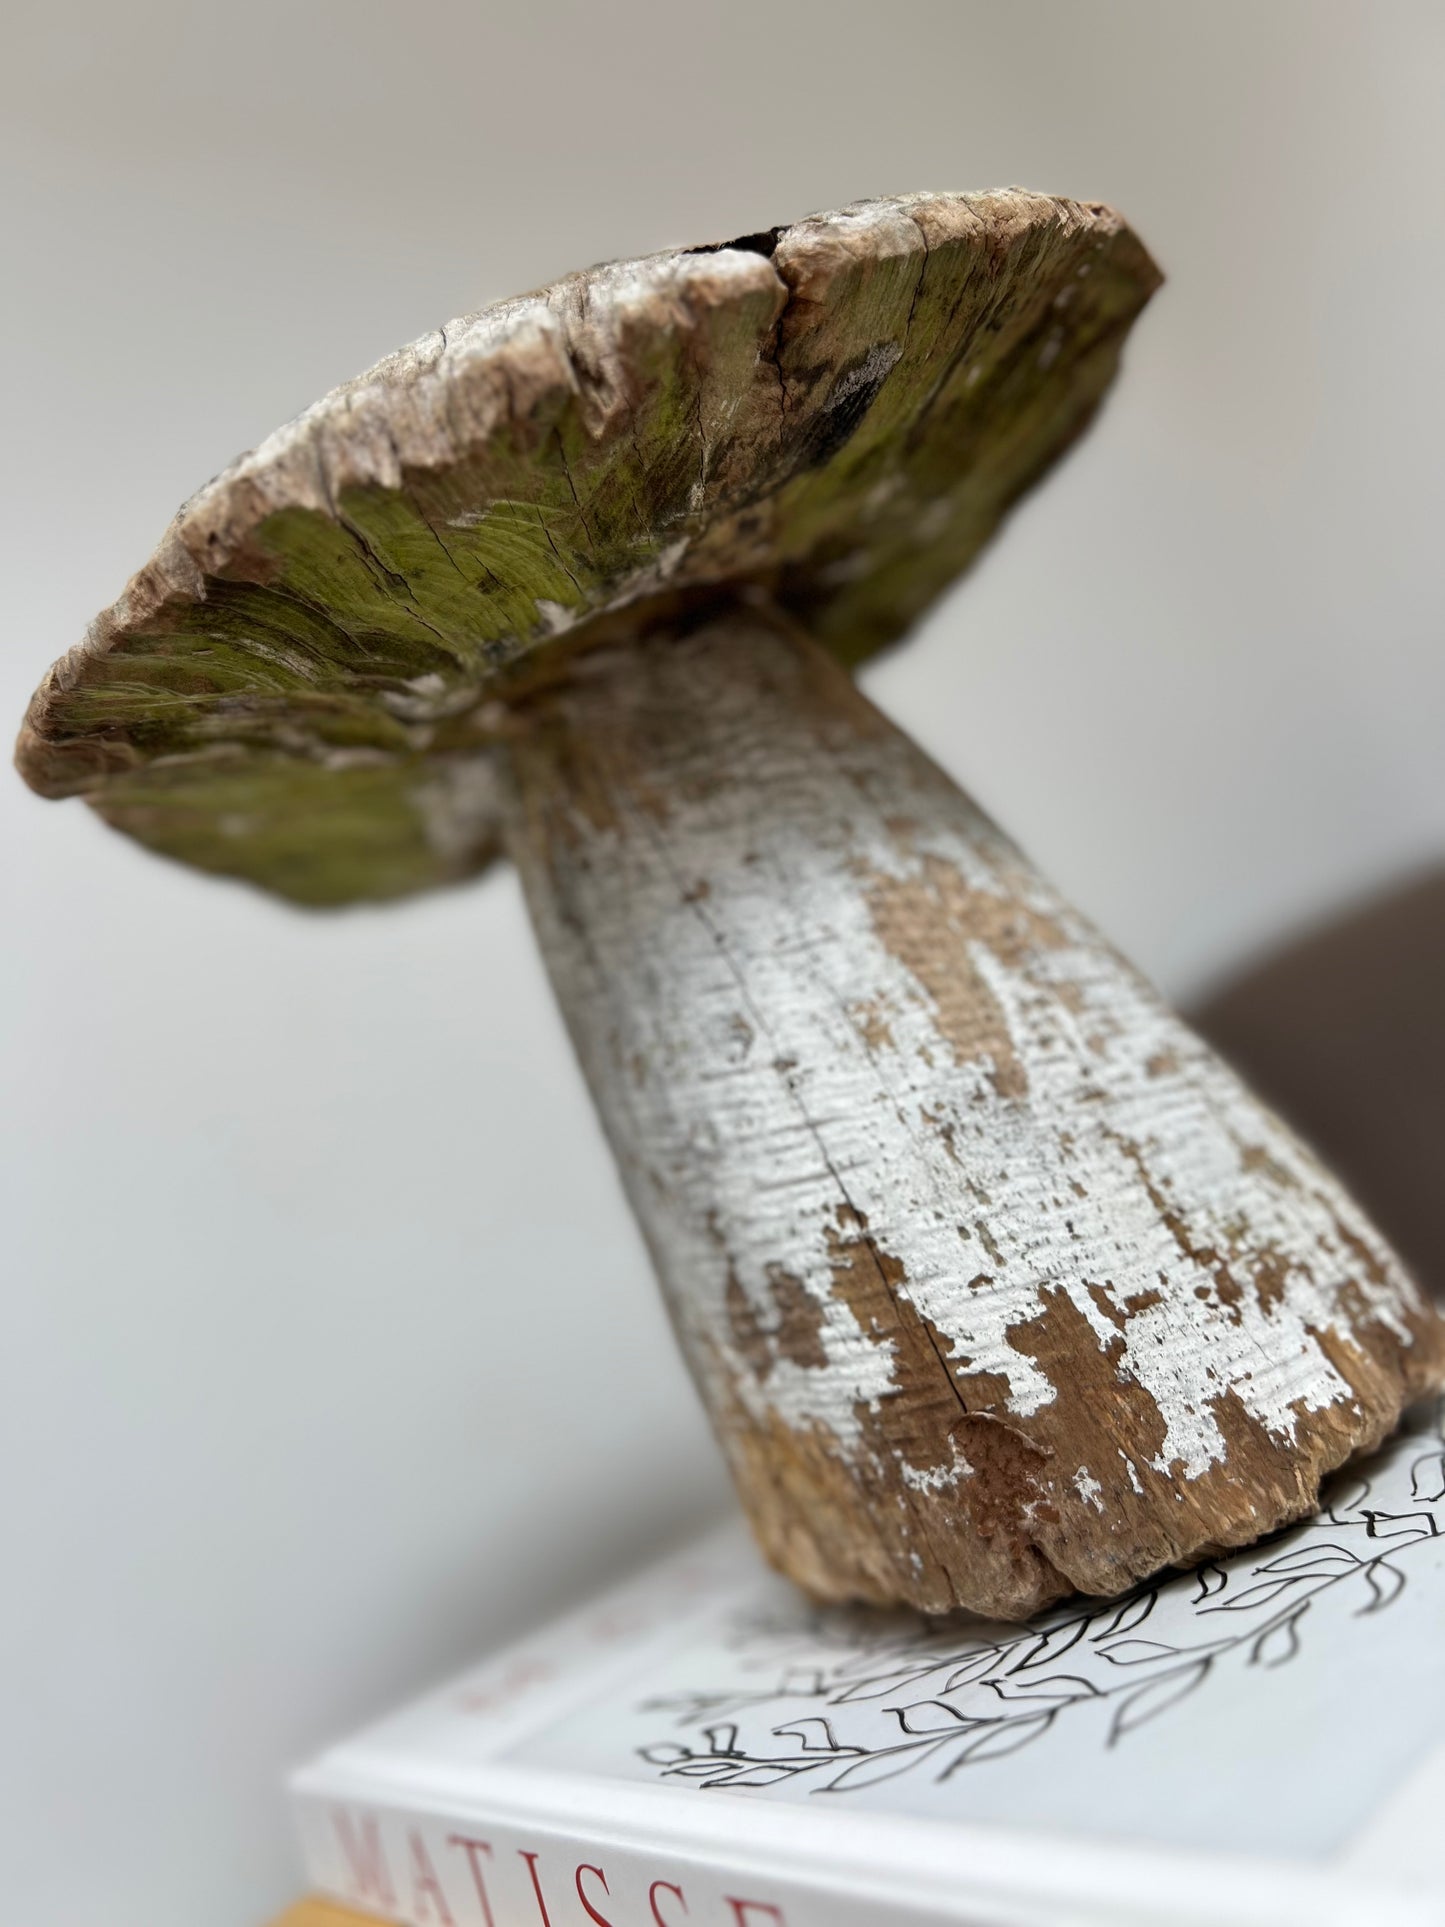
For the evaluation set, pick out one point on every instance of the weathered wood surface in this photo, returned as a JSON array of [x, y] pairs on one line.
[[995, 1281], [296, 686]]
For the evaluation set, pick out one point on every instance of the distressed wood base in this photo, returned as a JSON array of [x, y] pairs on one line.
[[996, 1282]]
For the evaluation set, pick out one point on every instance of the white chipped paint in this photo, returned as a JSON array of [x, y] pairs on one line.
[[767, 1068], [427, 699], [555, 618], [937, 1478], [1089, 1489]]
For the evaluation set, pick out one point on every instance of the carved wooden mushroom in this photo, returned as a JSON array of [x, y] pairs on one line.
[[995, 1281]]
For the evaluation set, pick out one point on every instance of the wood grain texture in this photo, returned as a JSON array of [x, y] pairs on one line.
[[298, 687], [996, 1282]]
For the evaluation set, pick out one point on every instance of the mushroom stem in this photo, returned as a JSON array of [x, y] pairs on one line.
[[995, 1281]]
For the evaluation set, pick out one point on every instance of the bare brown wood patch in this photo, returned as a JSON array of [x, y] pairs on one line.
[[995, 1281]]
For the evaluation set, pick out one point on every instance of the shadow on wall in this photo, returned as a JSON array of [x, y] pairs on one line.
[[1343, 1031]]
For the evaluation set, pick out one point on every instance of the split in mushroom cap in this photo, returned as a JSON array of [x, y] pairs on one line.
[[294, 688]]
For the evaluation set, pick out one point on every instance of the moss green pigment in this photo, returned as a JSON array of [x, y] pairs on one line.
[[846, 437]]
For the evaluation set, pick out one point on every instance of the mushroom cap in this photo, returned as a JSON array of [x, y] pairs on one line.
[[300, 686]]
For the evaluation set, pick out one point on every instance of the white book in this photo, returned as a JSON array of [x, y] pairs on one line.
[[1259, 1740]]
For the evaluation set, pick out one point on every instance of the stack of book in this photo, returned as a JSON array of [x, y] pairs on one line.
[[1258, 1740]]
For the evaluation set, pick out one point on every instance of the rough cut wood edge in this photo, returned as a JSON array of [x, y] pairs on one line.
[[996, 1282], [295, 687]]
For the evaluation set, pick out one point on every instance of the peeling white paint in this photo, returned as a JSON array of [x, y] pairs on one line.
[[1089, 1489], [937, 1478], [1110, 1183], [555, 617], [888, 1129]]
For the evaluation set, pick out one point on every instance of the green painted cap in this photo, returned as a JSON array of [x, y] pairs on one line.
[[301, 685]]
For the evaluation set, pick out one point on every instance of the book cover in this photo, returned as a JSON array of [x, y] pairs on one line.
[[1257, 1740]]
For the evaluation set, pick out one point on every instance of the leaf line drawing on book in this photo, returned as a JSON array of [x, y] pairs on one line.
[[867, 1697]]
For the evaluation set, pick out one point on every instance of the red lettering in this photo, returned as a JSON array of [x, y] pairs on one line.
[[531, 1860], [742, 1909], [472, 1848], [663, 1887], [592, 1913], [425, 1887], [365, 1862]]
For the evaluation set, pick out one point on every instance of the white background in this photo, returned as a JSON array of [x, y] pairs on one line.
[[329, 1352]]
